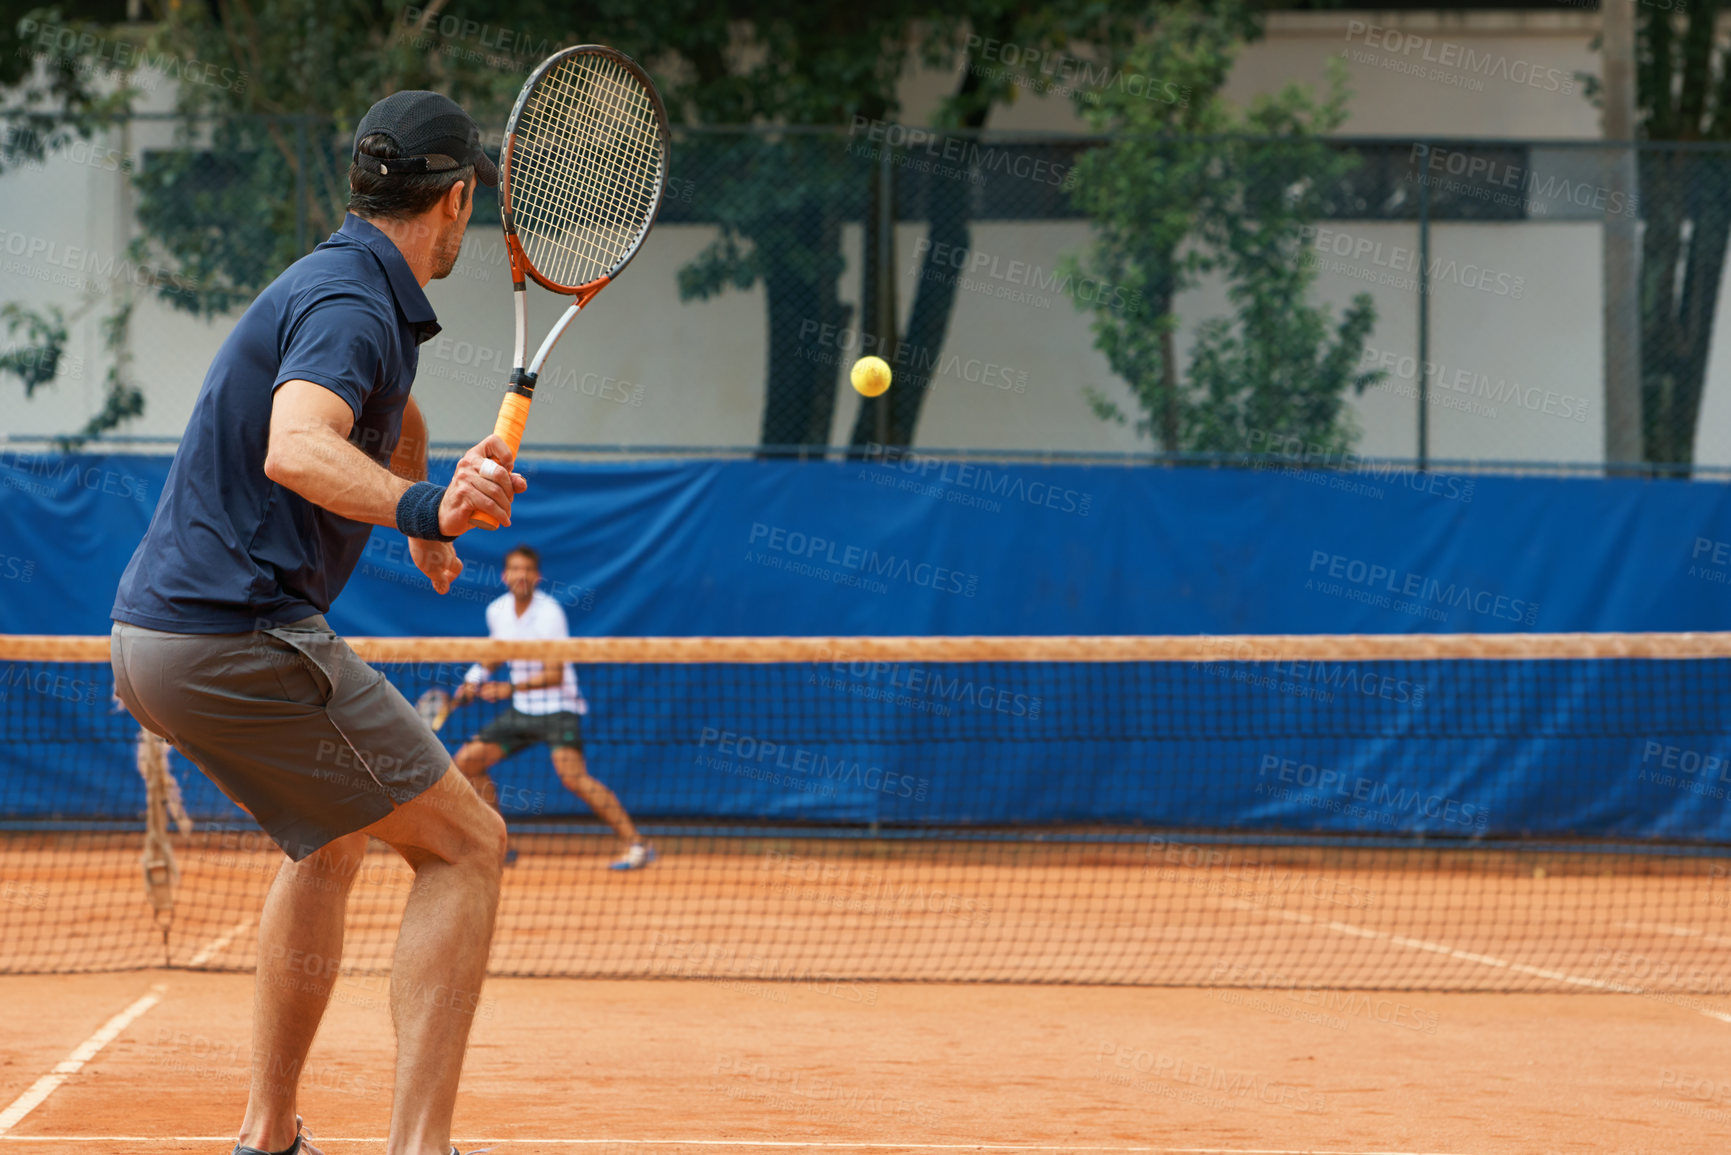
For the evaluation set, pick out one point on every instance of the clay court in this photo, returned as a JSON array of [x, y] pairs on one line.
[[1601, 1020]]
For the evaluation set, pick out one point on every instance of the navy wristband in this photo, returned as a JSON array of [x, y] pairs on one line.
[[418, 511]]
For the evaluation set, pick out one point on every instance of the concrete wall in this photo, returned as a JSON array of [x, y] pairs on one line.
[[1514, 308]]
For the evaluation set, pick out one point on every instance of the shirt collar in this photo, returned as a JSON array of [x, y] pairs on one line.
[[411, 298]]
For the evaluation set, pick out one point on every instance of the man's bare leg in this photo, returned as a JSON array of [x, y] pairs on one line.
[[456, 844], [572, 771], [300, 946], [474, 759]]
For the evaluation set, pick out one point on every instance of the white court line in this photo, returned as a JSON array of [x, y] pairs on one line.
[[209, 949], [1675, 931], [781, 1143], [1466, 956], [73, 1063]]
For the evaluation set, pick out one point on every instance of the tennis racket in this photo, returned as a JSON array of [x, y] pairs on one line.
[[583, 170], [434, 707]]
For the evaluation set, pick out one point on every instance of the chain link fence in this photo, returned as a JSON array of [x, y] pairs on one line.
[[1323, 301]]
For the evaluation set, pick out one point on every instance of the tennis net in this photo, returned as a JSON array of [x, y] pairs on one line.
[[1447, 812]]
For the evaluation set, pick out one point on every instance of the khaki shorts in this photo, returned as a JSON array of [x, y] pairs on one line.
[[287, 721]]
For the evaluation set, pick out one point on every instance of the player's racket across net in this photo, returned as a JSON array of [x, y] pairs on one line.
[[583, 170]]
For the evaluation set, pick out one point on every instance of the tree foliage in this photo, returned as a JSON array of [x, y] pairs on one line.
[[267, 93], [1195, 188], [1683, 94]]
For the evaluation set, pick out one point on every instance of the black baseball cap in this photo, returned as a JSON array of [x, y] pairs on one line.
[[431, 131]]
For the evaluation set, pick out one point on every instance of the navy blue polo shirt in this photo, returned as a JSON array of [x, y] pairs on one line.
[[228, 549]]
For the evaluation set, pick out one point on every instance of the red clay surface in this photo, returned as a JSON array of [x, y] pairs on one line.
[[619, 1068], [750, 909]]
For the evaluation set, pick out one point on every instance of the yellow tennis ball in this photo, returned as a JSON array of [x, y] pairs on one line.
[[870, 376]]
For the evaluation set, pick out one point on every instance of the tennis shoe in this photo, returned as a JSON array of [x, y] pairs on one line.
[[640, 855], [302, 1145]]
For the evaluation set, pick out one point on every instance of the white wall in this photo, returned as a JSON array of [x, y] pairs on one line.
[[1514, 333]]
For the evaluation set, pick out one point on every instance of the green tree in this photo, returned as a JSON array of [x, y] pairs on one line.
[[971, 35], [1197, 189], [782, 201], [1682, 94], [266, 92], [258, 175], [52, 93]]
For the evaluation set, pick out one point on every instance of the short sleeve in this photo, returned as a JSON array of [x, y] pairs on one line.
[[557, 626], [338, 340]]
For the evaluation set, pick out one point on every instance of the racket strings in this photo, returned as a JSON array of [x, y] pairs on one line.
[[586, 169]]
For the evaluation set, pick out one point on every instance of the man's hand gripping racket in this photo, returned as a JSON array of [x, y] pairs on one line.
[[582, 173]]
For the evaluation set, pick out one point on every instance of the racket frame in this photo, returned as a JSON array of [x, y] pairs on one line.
[[525, 373]]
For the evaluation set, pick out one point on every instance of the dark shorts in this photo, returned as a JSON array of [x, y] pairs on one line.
[[288, 722], [514, 730]]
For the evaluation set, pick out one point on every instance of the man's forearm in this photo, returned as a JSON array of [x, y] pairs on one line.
[[409, 459], [328, 470], [546, 679]]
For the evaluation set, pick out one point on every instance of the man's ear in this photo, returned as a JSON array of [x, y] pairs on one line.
[[454, 199]]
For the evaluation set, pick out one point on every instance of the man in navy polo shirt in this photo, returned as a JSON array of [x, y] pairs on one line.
[[303, 438]]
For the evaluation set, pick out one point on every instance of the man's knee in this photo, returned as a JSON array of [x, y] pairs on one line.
[[333, 864], [473, 758], [487, 840]]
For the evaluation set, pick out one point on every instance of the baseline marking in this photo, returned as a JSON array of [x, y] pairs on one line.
[[1441, 948], [209, 949], [73, 1063]]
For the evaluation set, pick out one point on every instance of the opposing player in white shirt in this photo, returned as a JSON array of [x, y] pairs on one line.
[[546, 706]]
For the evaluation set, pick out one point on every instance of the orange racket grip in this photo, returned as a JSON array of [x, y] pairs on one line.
[[513, 415]]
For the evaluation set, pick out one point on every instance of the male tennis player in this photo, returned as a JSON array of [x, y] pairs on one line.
[[545, 706], [302, 439]]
